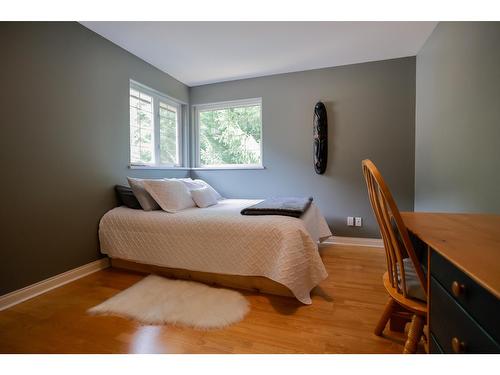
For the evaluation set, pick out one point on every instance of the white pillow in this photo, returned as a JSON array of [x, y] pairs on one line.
[[198, 184], [145, 199], [171, 194], [203, 197], [190, 183]]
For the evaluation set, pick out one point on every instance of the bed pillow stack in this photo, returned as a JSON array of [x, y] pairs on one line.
[[199, 184], [171, 194], [203, 197], [146, 201]]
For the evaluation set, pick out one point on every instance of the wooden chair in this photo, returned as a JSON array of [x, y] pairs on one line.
[[404, 280]]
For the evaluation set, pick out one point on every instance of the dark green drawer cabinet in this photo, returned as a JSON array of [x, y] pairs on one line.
[[434, 346], [464, 317]]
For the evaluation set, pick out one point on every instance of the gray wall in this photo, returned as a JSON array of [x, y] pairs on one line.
[[458, 119], [63, 143], [371, 112]]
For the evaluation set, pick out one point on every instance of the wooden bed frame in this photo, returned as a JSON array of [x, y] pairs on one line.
[[258, 284]]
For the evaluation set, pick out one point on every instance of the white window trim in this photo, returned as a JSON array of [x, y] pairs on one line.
[[181, 125], [197, 108]]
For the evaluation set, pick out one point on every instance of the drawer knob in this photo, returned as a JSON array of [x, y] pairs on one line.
[[457, 345], [457, 289]]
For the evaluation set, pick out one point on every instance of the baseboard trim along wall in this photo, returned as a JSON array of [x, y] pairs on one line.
[[21, 295], [355, 241]]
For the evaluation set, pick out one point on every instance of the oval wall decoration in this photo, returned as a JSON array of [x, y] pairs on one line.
[[320, 138]]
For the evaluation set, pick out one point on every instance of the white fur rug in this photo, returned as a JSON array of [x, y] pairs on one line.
[[157, 300]]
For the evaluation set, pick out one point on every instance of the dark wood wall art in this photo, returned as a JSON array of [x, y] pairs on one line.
[[320, 138]]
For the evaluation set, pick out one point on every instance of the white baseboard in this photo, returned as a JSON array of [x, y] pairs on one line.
[[355, 241], [18, 296], [21, 295]]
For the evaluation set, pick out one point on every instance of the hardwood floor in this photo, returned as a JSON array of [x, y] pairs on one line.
[[345, 310]]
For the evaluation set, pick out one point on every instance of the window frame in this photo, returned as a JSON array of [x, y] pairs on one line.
[[158, 97], [198, 108]]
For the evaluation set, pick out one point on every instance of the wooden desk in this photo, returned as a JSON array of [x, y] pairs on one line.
[[461, 255]]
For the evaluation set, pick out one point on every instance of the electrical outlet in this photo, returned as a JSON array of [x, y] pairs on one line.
[[350, 221], [358, 222]]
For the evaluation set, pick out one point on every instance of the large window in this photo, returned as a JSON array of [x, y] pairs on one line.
[[229, 134], [155, 128]]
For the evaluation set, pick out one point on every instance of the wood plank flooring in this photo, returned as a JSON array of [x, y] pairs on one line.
[[345, 309]]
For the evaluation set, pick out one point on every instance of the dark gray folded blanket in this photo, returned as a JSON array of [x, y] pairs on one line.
[[294, 207]]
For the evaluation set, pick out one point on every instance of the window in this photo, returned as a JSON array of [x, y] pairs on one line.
[[155, 128], [229, 134]]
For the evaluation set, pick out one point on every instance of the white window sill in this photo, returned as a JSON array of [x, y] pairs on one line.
[[131, 166], [238, 167], [159, 167]]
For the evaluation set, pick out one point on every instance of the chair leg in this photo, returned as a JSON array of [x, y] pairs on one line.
[[414, 334], [398, 320], [389, 308]]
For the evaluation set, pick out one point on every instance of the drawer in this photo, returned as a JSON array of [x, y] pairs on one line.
[[448, 320], [434, 346], [483, 306]]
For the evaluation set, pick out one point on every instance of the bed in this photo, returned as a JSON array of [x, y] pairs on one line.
[[275, 254]]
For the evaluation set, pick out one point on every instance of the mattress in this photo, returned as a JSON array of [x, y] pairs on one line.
[[219, 239]]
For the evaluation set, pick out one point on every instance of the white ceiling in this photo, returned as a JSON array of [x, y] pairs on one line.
[[198, 53]]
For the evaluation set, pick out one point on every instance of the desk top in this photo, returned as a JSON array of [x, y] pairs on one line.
[[469, 241]]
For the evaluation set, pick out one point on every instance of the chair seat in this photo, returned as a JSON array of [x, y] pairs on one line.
[[412, 304]]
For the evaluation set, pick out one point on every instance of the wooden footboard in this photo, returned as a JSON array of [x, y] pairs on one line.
[[253, 283]]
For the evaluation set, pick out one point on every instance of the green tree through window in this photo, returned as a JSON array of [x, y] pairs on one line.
[[168, 134], [230, 135]]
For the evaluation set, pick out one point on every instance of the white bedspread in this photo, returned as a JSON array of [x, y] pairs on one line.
[[219, 239]]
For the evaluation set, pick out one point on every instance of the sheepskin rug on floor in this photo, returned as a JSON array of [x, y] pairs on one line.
[[157, 300]]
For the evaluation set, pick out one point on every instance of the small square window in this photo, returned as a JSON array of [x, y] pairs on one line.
[[229, 134]]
